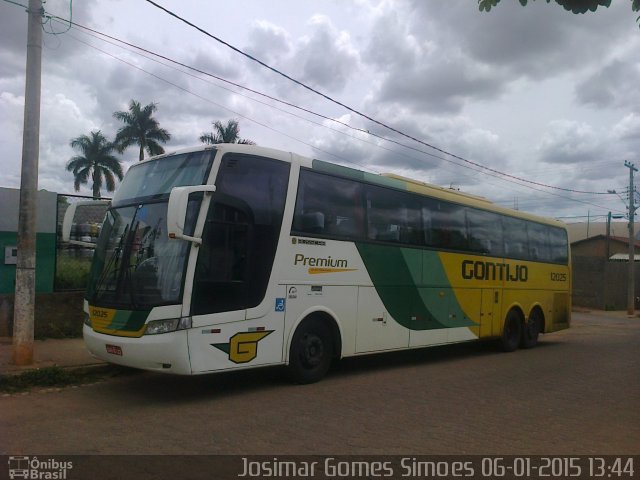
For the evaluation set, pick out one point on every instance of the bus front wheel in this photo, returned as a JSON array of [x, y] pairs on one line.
[[311, 352], [512, 332]]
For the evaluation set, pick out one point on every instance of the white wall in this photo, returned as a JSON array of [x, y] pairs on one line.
[[9, 207]]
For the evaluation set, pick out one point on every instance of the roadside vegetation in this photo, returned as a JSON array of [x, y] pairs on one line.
[[57, 377], [72, 273]]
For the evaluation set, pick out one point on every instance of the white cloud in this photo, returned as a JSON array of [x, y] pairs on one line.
[[326, 56], [612, 85], [536, 92], [570, 142]]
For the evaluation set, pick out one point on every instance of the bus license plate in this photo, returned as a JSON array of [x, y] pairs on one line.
[[114, 350]]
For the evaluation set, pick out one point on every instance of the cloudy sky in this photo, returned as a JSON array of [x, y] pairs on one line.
[[536, 93]]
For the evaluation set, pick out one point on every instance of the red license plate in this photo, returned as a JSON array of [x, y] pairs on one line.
[[114, 350]]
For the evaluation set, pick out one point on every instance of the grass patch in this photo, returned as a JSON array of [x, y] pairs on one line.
[[57, 377], [72, 273]]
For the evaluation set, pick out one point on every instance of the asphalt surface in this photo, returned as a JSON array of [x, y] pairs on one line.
[[576, 393]]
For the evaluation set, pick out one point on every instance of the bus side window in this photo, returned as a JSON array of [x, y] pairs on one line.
[[328, 206], [485, 232], [539, 246], [427, 228], [393, 216], [241, 234], [516, 241], [448, 226], [558, 245]]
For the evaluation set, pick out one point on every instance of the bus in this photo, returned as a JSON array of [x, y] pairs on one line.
[[234, 256]]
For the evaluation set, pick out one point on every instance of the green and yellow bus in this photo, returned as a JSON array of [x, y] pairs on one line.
[[236, 256]]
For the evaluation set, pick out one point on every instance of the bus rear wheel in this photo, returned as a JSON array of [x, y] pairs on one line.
[[311, 352], [531, 330], [512, 332]]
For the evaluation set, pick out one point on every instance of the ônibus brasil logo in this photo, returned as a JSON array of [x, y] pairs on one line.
[[33, 468]]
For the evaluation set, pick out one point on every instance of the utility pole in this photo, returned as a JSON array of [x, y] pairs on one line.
[[632, 241], [23, 313], [588, 221], [608, 236]]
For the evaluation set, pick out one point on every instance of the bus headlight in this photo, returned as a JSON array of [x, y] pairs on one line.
[[87, 320], [156, 327]]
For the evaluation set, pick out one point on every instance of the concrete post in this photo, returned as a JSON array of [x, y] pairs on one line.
[[631, 300], [26, 264]]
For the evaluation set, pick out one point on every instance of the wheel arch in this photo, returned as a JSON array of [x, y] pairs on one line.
[[326, 316]]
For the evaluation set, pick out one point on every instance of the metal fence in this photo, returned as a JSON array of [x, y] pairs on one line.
[[73, 261]]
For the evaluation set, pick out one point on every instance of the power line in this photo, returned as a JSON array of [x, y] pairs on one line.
[[284, 102], [186, 90], [290, 113], [348, 161], [357, 112], [482, 169], [26, 7]]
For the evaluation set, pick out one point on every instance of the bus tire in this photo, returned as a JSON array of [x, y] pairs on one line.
[[310, 352], [512, 331], [531, 329]]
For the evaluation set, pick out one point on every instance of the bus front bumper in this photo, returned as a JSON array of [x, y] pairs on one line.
[[167, 352]]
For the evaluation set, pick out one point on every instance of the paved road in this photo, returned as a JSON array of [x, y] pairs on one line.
[[576, 393]]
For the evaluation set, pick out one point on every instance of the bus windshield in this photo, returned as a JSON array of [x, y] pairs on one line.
[[135, 265], [155, 179]]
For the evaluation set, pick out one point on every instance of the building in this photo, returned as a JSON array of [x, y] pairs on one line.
[[584, 230], [600, 272], [45, 239], [601, 246]]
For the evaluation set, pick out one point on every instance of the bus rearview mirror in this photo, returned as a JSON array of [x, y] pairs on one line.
[[177, 210]]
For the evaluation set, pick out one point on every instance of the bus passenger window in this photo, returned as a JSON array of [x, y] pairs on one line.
[[516, 240], [393, 216], [328, 205], [485, 232], [448, 225], [559, 245], [539, 247]]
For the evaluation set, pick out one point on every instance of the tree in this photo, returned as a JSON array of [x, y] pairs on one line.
[[225, 134], [575, 6], [96, 162], [140, 129]]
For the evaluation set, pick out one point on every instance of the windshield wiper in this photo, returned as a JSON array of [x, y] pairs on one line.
[[113, 259]]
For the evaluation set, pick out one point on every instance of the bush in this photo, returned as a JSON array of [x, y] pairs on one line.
[[72, 273]]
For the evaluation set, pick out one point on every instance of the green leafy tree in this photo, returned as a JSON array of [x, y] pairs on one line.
[[141, 129], [229, 133], [95, 162], [575, 6]]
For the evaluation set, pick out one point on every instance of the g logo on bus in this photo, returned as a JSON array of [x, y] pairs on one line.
[[243, 346]]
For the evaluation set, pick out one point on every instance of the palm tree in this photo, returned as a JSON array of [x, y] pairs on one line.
[[140, 129], [225, 134], [96, 161]]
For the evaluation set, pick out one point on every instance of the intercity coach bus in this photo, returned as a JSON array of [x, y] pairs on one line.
[[235, 256]]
